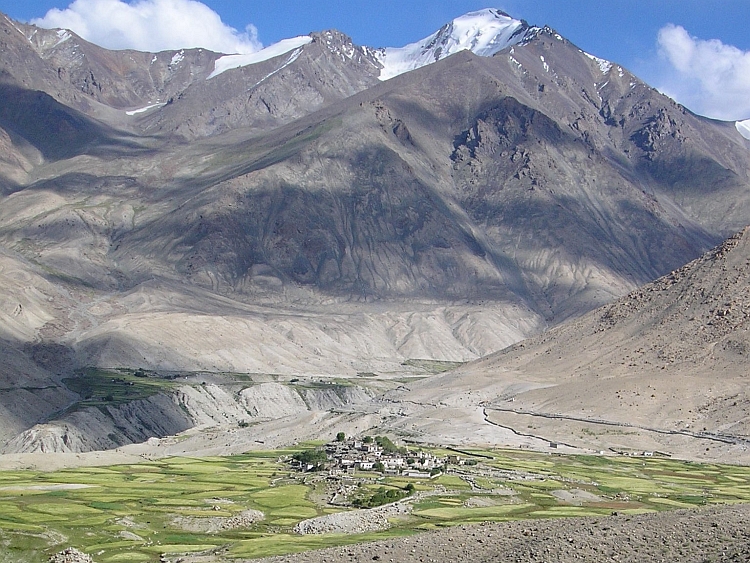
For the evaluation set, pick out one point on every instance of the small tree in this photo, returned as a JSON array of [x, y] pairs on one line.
[[388, 446], [316, 458], [367, 440], [340, 437]]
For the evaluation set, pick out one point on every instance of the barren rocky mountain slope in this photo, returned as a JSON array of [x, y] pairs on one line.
[[663, 368], [299, 217]]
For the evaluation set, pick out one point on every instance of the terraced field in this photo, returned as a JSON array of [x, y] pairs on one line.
[[135, 513], [100, 388]]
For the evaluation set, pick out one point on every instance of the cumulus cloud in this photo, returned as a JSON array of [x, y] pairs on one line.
[[151, 26], [709, 77]]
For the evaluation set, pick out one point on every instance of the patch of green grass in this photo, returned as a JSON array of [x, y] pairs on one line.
[[20, 527], [568, 511], [432, 367], [282, 497], [670, 502], [100, 388], [148, 499], [129, 557], [180, 548], [280, 544], [286, 522], [461, 513], [450, 502], [452, 482]]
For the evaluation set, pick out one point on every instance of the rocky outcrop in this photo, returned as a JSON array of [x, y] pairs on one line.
[[353, 522], [272, 400], [101, 429], [213, 524], [71, 555], [167, 414]]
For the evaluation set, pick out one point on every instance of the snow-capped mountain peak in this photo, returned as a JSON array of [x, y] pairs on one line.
[[484, 32]]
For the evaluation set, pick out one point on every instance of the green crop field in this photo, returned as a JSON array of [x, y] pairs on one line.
[[100, 387], [134, 513]]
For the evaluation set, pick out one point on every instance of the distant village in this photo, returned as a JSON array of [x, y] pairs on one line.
[[346, 456]]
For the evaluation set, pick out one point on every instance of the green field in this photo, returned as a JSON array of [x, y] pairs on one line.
[[133, 513], [100, 388]]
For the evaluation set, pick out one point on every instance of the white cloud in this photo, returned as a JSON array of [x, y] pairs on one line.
[[709, 77], [151, 25]]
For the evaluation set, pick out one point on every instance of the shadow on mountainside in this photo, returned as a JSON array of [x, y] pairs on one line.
[[57, 131]]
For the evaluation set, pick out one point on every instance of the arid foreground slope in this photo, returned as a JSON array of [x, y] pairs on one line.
[[714, 534]]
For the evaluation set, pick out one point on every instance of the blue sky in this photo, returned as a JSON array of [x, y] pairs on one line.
[[650, 37]]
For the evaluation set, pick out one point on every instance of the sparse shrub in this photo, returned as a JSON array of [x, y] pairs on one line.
[[381, 497]]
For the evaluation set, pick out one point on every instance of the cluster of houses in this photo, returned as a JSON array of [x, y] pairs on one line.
[[349, 456]]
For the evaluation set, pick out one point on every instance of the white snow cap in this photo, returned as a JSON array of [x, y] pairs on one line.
[[485, 33], [743, 128], [229, 62], [604, 65]]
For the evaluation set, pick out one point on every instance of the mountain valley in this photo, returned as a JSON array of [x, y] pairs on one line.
[[286, 243]]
